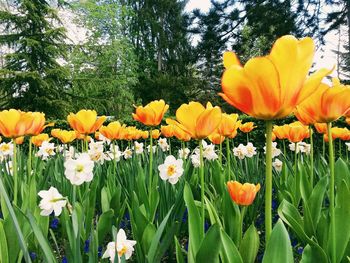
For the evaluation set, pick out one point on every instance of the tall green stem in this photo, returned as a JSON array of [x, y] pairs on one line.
[[29, 161], [169, 146], [150, 162], [201, 173], [243, 211], [220, 154], [14, 170], [228, 157], [331, 191], [311, 156], [268, 182]]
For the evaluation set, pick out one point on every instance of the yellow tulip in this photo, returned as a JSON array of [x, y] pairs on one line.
[[270, 87], [199, 122], [152, 114], [112, 131], [85, 121], [14, 123], [37, 140]]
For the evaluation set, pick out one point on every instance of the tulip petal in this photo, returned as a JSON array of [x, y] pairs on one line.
[[187, 115], [207, 122], [230, 58]]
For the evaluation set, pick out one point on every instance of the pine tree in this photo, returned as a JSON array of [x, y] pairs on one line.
[[32, 76]]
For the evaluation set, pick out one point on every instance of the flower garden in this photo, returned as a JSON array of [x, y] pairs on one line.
[[183, 188]]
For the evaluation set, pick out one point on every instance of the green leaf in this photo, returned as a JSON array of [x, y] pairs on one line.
[[104, 225], [278, 248], [250, 245], [229, 252], [311, 254], [195, 228], [49, 256], [342, 222], [3, 245], [210, 246], [156, 239], [179, 255]]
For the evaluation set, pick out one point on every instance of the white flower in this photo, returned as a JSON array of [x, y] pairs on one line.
[[52, 201], [209, 151], [183, 153], [127, 153], [6, 149], [163, 144], [96, 152], [240, 151], [348, 145], [60, 148], [138, 147], [104, 139], [250, 150], [122, 247], [9, 168], [275, 150], [79, 170], [153, 147], [70, 153], [171, 169], [195, 159], [95, 146], [111, 156], [277, 164], [305, 147], [46, 150]]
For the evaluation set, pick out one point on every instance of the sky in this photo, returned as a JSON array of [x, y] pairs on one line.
[[324, 56]]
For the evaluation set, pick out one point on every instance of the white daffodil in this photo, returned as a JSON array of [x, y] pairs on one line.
[[277, 164], [6, 149], [163, 144], [122, 247], [348, 145], [9, 168], [195, 159], [153, 147], [305, 148], [79, 170], [138, 147], [95, 146], [240, 151], [46, 150], [250, 150], [127, 153], [183, 153], [171, 169], [209, 151], [96, 152], [275, 151], [52, 201]]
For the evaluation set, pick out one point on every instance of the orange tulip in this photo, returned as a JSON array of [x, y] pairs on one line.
[[55, 133], [167, 131], [85, 121], [270, 87], [197, 121], [298, 132], [14, 123], [19, 140], [66, 136], [37, 140], [216, 138], [273, 137], [144, 134], [233, 135], [347, 120], [242, 194], [338, 133], [155, 134], [229, 124], [181, 134], [38, 124], [321, 127], [80, 136], [112, 131], [281, 132], [247, 127], [327, 104], [152, 114]]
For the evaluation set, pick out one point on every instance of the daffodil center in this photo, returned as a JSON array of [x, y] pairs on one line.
[[122, 251], [79, 168], [5, 147], [171, 170]]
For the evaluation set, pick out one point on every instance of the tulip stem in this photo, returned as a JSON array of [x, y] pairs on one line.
[[331, 191], [201, 174], [150, 163], [228, 157], [220, 154], [311, 157], [29, 161], [268, 182], [169, 147], [14, 170], [243, 211]]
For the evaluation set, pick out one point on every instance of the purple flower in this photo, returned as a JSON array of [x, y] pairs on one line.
[[87, 246], [54, 223], [32, 255]]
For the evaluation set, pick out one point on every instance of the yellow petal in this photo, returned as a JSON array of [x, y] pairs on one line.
[[230, 58]]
